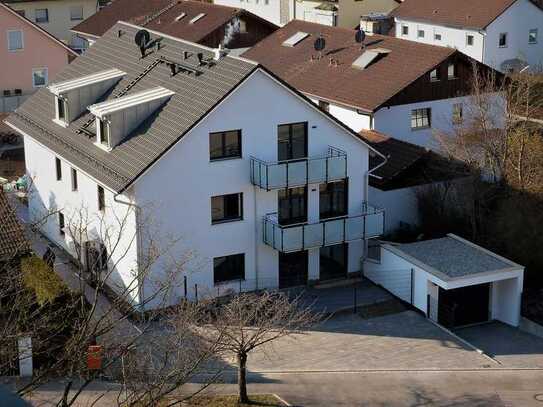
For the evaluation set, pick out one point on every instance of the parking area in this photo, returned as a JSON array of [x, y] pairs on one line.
[[405, 340], [510, 346]]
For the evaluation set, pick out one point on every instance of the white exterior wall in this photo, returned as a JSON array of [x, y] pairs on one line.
[[450, 37], [350, 117], [270, 11], [80, 207], [185, 180], [516, 22], [506, 297], [400, 205]]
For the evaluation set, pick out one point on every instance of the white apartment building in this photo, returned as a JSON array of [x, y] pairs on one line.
[[504, 34], [273, 198], [403, 89], [278, 12]]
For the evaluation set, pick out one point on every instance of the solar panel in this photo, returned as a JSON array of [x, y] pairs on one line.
[[180, 16], [295, 39], [364, 60]]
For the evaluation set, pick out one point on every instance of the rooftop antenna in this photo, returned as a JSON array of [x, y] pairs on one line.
[[142, 39], [320, 44], [359, 37]]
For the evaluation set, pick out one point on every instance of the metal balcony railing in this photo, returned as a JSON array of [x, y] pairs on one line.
[[326, 232], [299, 172]]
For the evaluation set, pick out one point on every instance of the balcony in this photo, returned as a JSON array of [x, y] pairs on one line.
[[299, 172], [327, 232]]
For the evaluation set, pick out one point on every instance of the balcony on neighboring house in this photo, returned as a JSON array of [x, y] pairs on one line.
[[326, 232], [299, 172]]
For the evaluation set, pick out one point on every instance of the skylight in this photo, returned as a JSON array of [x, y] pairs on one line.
[[198, 17], [365, 60], [180, 16], [72, 84], [295, 39]]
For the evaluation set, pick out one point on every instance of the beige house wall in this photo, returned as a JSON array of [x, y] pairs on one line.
[[350, 10]]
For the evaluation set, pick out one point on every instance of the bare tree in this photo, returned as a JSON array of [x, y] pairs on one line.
[[253, 320]]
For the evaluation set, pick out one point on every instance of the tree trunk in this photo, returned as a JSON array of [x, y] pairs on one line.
[[242, 378]]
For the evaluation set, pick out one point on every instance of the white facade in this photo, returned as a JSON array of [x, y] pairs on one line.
[[174, 194], [275, 11], [522, 23], [400, 205], [414, 284]]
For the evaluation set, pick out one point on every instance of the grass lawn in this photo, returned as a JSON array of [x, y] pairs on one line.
[[262, 400]]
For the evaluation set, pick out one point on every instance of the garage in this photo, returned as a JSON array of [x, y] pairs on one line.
[[452, 280]]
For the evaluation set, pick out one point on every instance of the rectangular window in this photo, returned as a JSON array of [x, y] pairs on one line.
[[74, 179], [325, 106], [15, 40], [532, 36], [420, 33], [39, 77], [226, 208], [292, 205], [502, 42], [42, 15], [333, 199], [104, 133], [437, 37], [292, 141], [451, 71], [229, 268], [61, 107], [101, 199], [242, 27], [225, 145], [405, 30], [58, 167], [435, 75], [458, 113], [333, 261], [420, 118], [76, 13], [61, 224], [470, 39]]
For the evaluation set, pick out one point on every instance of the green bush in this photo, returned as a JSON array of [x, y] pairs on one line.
[[39, 278]]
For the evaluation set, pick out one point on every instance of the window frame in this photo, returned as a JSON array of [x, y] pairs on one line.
[[223, 155], [73, 176], [46, 20], [291, 197], [82, 13], [421, 118], [104, 133], [238, 258], [22, 40], [436, 35], [58, 168], [405, 32], [419, 31], [437, 77], [290, 141], [61, 224], [530, 31], [454, 68], [333, 196], [228, 219], [101, 198], [46, 76], [505, 36], [324, 106], [468, 36]]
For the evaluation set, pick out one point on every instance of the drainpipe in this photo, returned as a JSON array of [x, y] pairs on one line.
[[138, 245]]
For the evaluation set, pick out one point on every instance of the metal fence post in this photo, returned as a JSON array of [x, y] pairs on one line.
[[355, 298], [196, 292], [185, 288]]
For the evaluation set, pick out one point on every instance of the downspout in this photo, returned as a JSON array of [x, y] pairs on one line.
[[138, 246], [483, 34], [369, 172]]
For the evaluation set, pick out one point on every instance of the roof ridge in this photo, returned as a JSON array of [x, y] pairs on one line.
[[154, 16]]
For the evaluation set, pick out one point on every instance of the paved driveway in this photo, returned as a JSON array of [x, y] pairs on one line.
[[347, 342], [510, 346]]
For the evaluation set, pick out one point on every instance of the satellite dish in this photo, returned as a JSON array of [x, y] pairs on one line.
[[360, 36], [320, 43], [142, 38]]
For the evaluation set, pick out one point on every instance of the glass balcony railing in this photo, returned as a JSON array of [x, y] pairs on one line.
[[299, 172], [327, 232]]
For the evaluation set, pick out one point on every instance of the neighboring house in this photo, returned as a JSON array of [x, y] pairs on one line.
[[340, 13], [408, 170], [13, 243], [453, 281], [57, 16], [278, 12], [504, 34], [29, 58], [199, 22], [401, 88], [272, 198]]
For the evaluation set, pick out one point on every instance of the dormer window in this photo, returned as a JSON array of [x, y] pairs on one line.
[[73, 96], [117, 118]]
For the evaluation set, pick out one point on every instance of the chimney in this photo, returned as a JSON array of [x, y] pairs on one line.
[[219, 52]]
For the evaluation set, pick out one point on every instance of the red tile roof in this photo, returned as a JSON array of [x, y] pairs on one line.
[[459, 13], [366, 89], [12, 239]]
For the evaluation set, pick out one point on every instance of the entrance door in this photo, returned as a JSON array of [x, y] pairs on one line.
[[333, 262], [464, 306], [292, 269]]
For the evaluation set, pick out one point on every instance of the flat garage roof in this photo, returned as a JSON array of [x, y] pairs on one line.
[[456, 257]]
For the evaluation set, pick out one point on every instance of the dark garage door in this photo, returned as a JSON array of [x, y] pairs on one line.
[[464, 306]]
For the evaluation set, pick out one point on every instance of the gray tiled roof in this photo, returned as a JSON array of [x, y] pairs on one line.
[[194, 97], [454, 257]]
